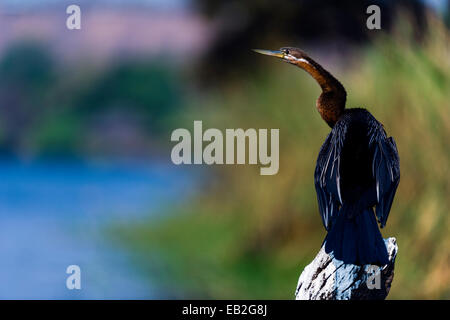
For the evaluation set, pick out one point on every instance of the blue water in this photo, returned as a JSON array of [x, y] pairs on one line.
[[54, 213]]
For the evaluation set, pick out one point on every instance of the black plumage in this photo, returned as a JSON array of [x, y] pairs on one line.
[[357, 169]]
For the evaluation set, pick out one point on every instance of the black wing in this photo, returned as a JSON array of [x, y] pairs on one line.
[[327, 176], [385, 169]]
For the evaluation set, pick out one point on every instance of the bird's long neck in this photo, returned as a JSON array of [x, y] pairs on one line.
[[331, 103]]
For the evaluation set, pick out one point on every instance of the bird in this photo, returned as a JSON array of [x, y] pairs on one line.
[[357, 170]]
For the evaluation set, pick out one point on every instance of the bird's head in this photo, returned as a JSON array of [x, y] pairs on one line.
[[331, 102], [288, 54]]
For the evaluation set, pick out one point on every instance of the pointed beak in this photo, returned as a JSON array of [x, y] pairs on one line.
[[273, 53]]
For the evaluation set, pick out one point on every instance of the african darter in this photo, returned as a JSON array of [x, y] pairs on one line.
[[357, 169]]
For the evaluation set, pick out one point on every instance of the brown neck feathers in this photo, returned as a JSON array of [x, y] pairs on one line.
[[331, 103]]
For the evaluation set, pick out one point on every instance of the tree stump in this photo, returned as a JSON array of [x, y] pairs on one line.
[[327, 278]]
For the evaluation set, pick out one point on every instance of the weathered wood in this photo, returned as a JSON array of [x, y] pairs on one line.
[[327, 278]]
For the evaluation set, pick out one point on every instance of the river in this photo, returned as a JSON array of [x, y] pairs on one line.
[[53, 214]]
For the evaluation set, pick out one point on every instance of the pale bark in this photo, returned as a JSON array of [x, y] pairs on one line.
[[327, 278]]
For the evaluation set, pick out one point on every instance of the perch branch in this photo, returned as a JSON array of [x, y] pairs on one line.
[[327, 278]]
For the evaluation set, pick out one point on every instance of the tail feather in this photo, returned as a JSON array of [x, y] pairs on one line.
[[355, 238]]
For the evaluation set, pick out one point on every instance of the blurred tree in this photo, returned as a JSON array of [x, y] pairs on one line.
[[150, 91], [46, 109], [253, 24], [447, 14], [26, 75]]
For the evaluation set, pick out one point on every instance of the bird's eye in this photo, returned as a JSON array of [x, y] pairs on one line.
[[285, 51]]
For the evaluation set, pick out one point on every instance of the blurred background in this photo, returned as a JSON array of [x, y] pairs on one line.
[[85, 123]]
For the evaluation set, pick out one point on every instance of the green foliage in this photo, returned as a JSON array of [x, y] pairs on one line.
[[46, 109], [28, 65], [151, 90], [57, 135]]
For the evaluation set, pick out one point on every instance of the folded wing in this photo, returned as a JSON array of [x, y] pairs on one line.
[[386, 171], [327, 176]]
